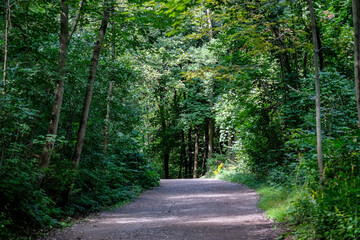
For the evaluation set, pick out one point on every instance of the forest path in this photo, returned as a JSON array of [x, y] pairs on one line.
[[201, 209]]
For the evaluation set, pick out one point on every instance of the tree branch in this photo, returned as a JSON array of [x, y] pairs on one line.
[[77, 17]]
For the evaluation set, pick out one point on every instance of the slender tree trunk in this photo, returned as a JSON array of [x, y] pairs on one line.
[[111, 84], [166, 164], [294, 44], [211, 137], [2, 155], [107, 119], [90, 86], [196, 151], [229, 145], [317, 87], [209, 23], [166, 155], [164, 143], [4, 73], [205, 156], [7, 23], [59, 88], [356, 17], [182, 154], [190, 157], [211, 122], [77, 18]]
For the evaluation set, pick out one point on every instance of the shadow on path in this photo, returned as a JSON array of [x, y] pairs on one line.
[[184, 209]]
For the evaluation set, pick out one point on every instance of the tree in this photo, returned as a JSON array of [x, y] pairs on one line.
[[356, 19], [6, 43], [108, 7], [317, 87]]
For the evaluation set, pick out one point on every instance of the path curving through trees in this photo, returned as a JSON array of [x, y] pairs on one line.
[[185, 209]]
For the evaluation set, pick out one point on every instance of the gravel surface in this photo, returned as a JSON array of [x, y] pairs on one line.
[[185, 209]]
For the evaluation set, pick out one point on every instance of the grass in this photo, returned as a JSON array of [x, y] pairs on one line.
[[274, 200]]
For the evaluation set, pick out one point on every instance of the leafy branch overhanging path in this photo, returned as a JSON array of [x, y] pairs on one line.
[[182, 209]]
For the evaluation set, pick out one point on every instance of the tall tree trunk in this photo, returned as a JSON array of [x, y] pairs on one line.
[[111, 84], [190, 157], [205, 156], [229, 145], [182, 154], [356, 17], [107, 119], [7, 23], [211, 137], [4, 73], [164, 143], [2, 155], [166, 155], [211, 122], [59, 88], [90, 85], [317, 87], [166, 164], [209, 23], [196, 151]]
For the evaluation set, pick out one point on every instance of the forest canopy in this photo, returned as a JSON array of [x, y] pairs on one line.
[[100, 99]]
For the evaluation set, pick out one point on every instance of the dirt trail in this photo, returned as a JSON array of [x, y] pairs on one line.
[[201, 209]]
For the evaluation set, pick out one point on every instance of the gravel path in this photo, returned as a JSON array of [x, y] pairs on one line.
[[201, 209]]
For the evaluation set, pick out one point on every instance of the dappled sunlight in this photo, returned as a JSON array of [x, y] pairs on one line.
[[199, 219], [208, 195]]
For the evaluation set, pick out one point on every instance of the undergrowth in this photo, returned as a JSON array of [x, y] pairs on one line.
[[274, 200], [309, 211]]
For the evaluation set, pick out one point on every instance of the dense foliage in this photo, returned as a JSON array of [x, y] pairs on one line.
[[185, 88]]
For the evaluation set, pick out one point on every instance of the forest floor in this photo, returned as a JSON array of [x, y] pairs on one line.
[[201, 209]]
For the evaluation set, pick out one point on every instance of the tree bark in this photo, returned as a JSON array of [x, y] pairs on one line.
[[211, 137], [229, 145], [209, 23], [111, 84], [190, 157], [107, 119], [317, 87], [166, 155], [7, 23], [59, 88], [166, 164], [211, 122], [164, 143], [356, 17], [90, 85], [205, 156], [196, 151], [182, 154]]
